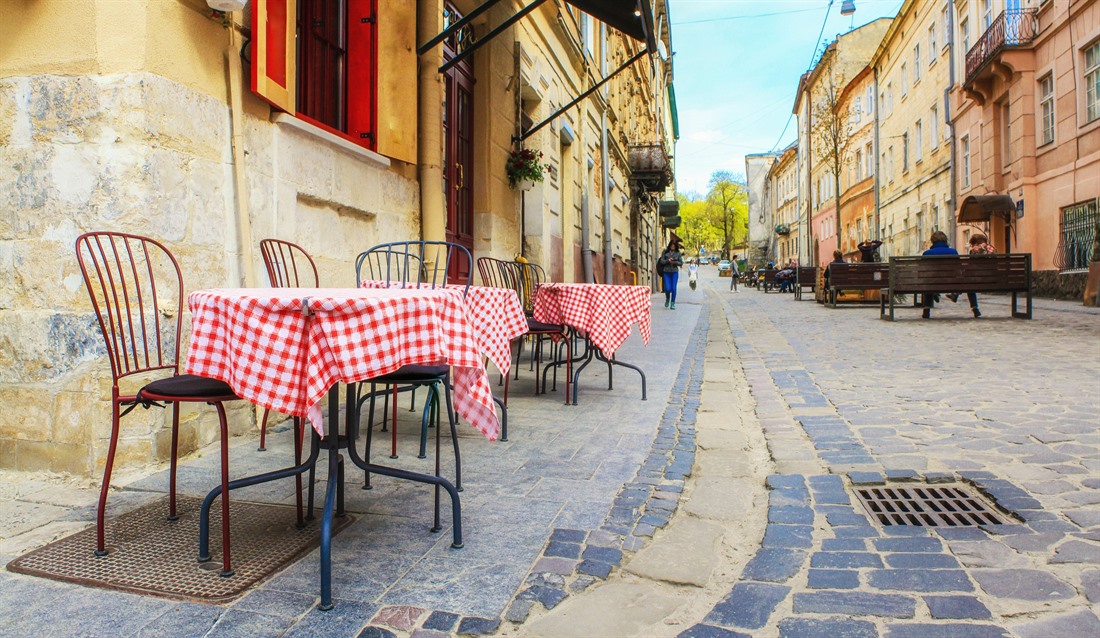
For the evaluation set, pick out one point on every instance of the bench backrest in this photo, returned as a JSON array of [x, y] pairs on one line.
[[860, 274], [807, 275], [769, 275], [979, 273]]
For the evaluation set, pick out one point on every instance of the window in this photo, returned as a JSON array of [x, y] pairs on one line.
[[859, 107], [870, 100], [1006, 134], [932, 43], [905, 152], [987, 13], [1078, 229], [587, 33], [889, 98], [859, 165], [859, 231], [321, 63], [945, 19], [1092, 82], [890, 161], [964, 31], [904, 81], [869, 155], [916, 63], [934, 127], [1046, 108], [964, 151], [918, 133]]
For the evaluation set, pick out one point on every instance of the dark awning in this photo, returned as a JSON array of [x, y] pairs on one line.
[[634, 18], [979, 208]]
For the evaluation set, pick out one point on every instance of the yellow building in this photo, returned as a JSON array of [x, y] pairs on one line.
[[211, 132], [856, 105], [782, 187], [912, 70]]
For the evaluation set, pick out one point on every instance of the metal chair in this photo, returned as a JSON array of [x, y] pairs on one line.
[[136, 289], [288, 266], [524, 277], [415, 264]]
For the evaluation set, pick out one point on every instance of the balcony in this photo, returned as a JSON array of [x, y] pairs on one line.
[[1014, 29], [650, 166]]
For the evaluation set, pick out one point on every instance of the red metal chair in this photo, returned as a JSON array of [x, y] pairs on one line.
[[136, 289], [288, 266]]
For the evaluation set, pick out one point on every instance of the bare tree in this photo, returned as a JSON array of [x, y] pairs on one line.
[[832, 134]]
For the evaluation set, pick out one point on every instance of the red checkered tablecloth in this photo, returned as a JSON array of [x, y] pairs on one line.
[[495, 314], [272, 352], [601, 311]]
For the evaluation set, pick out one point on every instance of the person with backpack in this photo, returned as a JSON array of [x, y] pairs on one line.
[[669, 266]]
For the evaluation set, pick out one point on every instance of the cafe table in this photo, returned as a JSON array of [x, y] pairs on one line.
[[603, 314], [285, 349]]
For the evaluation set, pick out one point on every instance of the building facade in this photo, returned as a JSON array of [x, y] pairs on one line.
[[761, 239], [1026, 112], [857, 180], [782, 186], [210, 132], [912, 67]]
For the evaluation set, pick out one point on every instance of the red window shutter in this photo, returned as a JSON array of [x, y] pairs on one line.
[[362, 71], [274, 52]]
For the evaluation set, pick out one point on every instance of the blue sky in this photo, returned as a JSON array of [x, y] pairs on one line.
[[737, 64]]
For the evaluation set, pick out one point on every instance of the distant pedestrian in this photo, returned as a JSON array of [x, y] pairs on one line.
[[669, 264], [868, 250], [939, 247], [735, 273], [979, 245], [693, 273]]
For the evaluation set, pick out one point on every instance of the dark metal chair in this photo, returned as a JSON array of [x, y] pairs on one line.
[[136, 289], [415, 264], [288, 266], [524, 278]]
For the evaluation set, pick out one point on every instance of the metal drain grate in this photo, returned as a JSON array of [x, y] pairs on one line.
[[926, 506]]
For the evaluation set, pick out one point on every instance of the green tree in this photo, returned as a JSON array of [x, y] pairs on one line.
[[696, 227], [832, 135], [728, 208]]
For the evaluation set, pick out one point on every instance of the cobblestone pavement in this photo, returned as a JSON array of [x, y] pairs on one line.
[[722, 506]]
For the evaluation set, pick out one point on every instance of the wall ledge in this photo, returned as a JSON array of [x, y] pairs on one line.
[[289, 121]]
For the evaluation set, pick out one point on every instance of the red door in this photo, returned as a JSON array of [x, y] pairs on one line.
[[458, 124]]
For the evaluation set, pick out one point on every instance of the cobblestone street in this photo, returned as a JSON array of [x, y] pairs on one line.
[[724, 505]]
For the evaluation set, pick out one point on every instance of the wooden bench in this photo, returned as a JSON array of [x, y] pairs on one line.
[[857, 276], [804, 276], [965, 273], [769, 279]]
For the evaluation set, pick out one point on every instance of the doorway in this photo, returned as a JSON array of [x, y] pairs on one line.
[[458, 125]]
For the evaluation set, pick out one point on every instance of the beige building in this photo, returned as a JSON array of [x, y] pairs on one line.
[[212, 132], [912, 67], [824, 132], [782, 186], [760, 242], [1026, 112]]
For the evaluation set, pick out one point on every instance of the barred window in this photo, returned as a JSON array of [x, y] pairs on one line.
[[1078, 233]]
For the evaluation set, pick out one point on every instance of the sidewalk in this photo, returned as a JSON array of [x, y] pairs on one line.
[[722, 506]]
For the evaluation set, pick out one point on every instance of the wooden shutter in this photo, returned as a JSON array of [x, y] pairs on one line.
[[396, 98], [362, 72], [274, 52]]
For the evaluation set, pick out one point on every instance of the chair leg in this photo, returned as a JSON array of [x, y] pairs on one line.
[[227, 570], [431, 409], [393, 426], [263, 432], [101, 549], [452, 419], [298, 434], [370, 436], [174, 463]]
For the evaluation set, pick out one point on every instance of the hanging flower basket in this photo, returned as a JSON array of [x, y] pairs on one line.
[[524, 169], [782, 229]]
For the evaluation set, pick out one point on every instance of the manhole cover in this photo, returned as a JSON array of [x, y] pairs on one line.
[[926, 506]]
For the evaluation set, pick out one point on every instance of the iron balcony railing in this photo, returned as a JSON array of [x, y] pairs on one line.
[[1012, 29]]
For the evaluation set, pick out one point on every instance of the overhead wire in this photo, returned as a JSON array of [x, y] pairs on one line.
[[810, 66]]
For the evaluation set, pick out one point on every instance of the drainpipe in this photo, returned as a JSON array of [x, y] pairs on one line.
[[586, 247], [236, 110], [878, 169], [605, 160], [433, 206], [950, 124]]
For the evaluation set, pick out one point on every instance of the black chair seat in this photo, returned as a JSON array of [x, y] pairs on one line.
[[538, 326], [411, 373], [188, 385]]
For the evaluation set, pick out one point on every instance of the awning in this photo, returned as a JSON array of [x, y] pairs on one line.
[[634, 18], [979, 208]]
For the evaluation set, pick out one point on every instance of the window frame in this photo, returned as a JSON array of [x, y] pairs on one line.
[[964, 150], [1046, 109], [918, 145], [916, 63], [1092, 91], [933, 54]]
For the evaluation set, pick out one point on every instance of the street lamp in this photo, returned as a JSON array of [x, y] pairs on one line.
[[847, 8]]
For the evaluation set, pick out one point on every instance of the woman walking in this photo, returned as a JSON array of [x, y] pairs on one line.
[[669, 264]]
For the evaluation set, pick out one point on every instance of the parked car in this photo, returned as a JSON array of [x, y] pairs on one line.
[[724, 268]]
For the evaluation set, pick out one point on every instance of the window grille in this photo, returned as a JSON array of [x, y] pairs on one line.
[[1077, 236]]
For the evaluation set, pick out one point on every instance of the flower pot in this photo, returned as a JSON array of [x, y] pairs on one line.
[[525, 184]]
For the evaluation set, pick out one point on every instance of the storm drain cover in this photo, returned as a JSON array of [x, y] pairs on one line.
[[926, 506]]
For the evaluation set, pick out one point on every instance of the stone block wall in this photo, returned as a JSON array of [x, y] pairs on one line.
[[1056, 285], [136, 152]]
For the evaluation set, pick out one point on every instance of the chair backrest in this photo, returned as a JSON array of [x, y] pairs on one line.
[[497, 273], [288, 265], [136, 289], [422, 264], [528, 278]]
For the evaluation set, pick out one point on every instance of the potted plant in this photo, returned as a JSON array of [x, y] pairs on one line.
[[524, 169]]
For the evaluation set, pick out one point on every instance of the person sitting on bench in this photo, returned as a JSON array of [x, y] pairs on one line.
[[939, 247]]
